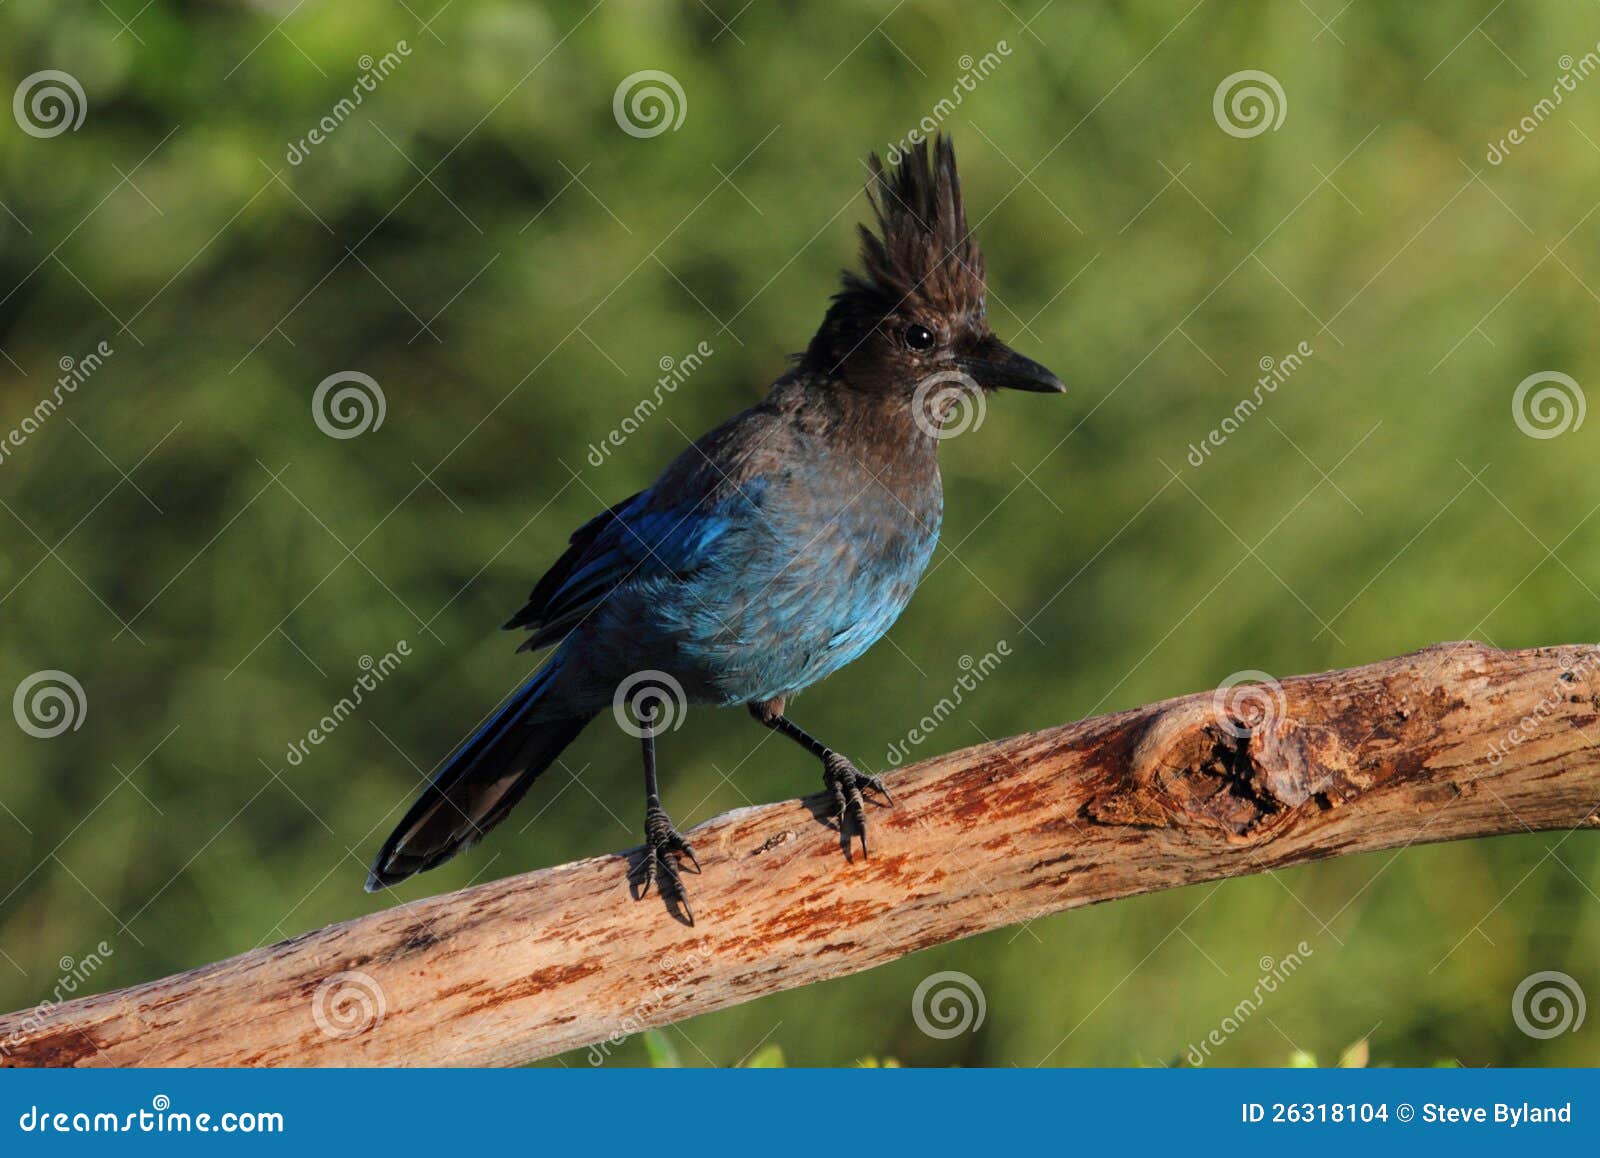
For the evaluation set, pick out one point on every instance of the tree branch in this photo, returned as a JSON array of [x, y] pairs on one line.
[[1459, 740]]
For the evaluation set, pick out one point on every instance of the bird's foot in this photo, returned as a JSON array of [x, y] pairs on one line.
[[663, 845], [847, 783]]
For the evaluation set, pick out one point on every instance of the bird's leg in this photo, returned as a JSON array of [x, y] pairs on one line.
[[844, 780], [662, 841]]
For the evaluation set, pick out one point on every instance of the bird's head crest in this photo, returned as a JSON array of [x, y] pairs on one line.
[[917, 304], [918, 265], [922, 253]]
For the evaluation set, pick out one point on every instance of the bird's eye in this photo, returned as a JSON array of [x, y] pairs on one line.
[[919, 337]]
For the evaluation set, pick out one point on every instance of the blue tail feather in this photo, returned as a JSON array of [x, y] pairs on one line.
[[476, 787]]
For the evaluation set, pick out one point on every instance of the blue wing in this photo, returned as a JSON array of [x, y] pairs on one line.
[[639, 539]]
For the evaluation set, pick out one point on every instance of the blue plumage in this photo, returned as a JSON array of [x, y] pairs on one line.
[[771, 553]]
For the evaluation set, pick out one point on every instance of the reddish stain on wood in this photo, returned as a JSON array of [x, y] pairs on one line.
[[1417, 748]]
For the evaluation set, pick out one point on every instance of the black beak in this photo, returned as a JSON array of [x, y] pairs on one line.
[[996, 366]]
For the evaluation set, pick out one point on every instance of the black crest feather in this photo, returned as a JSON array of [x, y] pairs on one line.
[[920, 260], [922, 251]]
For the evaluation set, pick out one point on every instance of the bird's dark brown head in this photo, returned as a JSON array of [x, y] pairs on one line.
[[917, 308]]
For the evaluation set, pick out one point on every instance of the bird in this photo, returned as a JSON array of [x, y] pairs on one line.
[[769, 554]]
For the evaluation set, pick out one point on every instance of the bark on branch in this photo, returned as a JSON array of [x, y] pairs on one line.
[[1458, 740]]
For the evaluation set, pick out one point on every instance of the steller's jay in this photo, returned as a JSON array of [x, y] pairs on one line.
[[771, 553]]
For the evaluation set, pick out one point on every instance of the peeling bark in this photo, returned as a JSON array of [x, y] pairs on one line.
[[1459, 740]]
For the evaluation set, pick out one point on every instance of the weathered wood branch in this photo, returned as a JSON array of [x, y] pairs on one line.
[[1459, 740]]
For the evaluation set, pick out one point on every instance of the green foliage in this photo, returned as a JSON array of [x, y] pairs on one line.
[[663, 1055], [1355, 1057], [483, 240]]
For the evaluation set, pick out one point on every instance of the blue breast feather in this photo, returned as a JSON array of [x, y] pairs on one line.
[[746, 595]]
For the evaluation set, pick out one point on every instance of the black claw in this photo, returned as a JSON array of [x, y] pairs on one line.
[[845, 783], [662, 845]]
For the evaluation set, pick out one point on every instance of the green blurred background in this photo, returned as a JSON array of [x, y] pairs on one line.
[[483, 239]]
